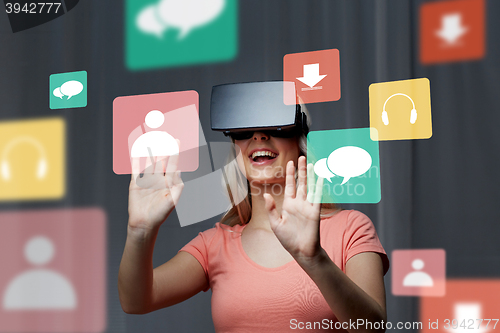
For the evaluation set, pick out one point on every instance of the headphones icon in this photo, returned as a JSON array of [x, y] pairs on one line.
[[41, 170], [413, 115]]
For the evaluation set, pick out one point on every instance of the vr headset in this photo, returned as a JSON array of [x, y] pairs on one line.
[[240, 109]]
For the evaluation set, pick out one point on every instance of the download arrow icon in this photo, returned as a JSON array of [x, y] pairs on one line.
[[311, 75], [452, 29]]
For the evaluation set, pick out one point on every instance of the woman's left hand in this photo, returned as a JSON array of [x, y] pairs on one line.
[[297, 228]]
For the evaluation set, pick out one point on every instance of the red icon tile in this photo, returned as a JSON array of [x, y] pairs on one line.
[[419, 272], [470, 305], [452, 31], [148, 125], [53, 271], [316, 75]]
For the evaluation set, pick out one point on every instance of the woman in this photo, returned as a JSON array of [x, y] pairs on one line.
[[282, 267]]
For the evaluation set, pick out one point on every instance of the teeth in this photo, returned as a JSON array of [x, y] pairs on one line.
[[263, 153]]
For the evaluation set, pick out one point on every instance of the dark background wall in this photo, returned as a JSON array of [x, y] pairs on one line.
[[436, 193]]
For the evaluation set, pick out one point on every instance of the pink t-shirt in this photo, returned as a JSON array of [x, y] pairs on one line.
[[247, 297]]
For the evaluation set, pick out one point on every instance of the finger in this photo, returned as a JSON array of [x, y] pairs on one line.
[[173, 161], [136, 170], [159, 165], [272, 212], [176, 187], [136, 167], [302, 189], [177, 178], [178, 145], [171, 169], [150, 161], [318, 192], [290, 180], [310, 182]]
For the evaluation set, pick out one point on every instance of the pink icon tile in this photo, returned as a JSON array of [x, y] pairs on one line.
[[149, 125], [53, 271], [419, 272]]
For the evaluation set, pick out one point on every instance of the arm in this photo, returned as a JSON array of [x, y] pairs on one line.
[[358, 294], [361, 288], [141, 288]]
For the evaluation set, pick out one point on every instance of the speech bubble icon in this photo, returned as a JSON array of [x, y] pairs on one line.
[[71, 88], [147, 21], [188, 14], [321, 169], [57, 92], [349, 161]]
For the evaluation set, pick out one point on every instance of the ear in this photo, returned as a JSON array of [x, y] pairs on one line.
[[42, 169], [5, 170], [413, 116], [385, 118]]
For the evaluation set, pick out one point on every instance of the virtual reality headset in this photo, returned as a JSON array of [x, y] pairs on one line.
[[241, 108]]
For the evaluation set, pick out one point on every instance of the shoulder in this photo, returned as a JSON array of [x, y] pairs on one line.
[[350, 223], [219, 233], [346, 220], [354, 232]]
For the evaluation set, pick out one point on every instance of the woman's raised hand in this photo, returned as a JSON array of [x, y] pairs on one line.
[[297, 228], [153, 196]]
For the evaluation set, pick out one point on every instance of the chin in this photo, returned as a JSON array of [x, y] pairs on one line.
[[266, 180], [266, 173]]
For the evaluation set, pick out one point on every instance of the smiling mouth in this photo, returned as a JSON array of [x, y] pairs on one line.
[[263, 156]]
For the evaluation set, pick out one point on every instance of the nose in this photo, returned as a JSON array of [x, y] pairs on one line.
[[260, 136]]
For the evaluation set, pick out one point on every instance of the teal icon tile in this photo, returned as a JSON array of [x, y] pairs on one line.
[[172, 33], [349, 161], [68, 90]]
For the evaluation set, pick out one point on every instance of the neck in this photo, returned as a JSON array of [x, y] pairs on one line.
[[260, 219]]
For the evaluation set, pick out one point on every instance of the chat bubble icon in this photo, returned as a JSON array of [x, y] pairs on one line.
[[188, 14], [62, 88], [321, 169], [71, 88], [348, 162], [57, 92], [147, 21]]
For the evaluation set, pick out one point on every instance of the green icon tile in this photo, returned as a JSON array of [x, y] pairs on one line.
[[68, 90], [172, 33], [349, 161]]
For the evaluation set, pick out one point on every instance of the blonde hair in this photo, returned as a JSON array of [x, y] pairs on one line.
[[238, 187]]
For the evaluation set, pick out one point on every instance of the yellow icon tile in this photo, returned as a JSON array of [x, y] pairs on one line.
[[32, 159], [401, 110]]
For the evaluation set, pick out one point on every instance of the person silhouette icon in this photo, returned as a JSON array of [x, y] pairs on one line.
[[418, 278], [154, 143], [39, 288]]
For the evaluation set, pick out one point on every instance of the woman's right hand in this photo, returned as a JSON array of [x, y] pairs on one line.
[[153, 196]]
